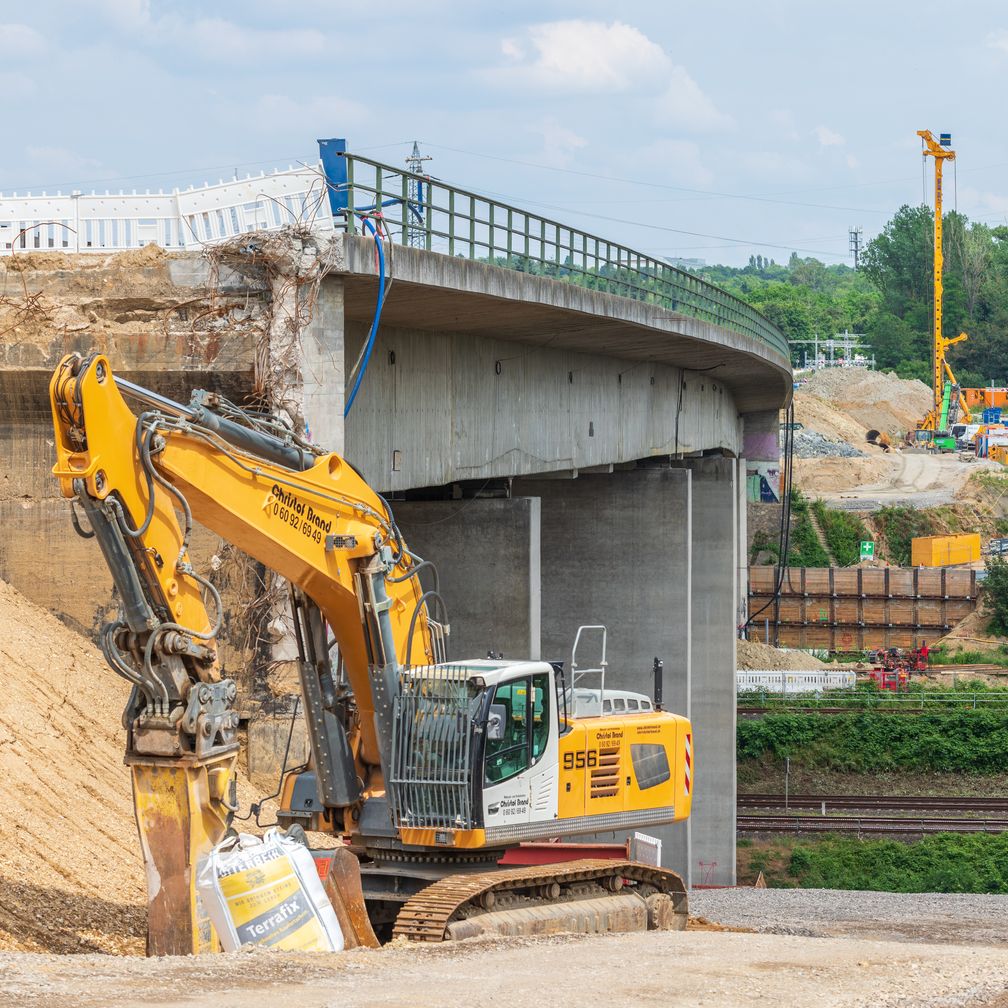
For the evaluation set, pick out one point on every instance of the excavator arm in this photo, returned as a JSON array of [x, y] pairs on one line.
[[141, 479]]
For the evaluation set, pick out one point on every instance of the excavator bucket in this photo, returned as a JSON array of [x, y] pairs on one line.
[[343, 887], [180, 814]]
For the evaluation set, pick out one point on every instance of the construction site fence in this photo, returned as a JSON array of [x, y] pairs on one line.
[[855, 609]]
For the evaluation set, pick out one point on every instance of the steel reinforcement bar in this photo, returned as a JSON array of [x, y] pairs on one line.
[[430, 214]]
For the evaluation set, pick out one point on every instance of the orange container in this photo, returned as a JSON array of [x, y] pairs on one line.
[[944, 551]]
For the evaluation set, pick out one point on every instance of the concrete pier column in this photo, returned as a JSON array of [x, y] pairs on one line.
[[616, 550], [714, 586], [761, 448], [487, 555], [741, 546], [323, 367]]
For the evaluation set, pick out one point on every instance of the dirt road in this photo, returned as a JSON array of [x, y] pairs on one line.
[[913, 480], [668, 969]]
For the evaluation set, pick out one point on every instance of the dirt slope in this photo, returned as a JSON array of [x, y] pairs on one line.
[[872, 399], [70, 873]]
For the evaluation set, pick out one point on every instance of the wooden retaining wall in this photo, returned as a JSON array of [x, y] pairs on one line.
[[849, 609]]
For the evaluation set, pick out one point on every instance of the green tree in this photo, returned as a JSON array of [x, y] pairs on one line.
[[899, 260], [996, 595]]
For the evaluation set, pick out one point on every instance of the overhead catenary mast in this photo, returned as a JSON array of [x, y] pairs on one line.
[[416, 234]]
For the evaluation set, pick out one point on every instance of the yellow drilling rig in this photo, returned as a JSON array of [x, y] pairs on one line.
[[949, 402]]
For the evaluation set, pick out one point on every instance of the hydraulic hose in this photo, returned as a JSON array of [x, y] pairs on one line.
[[372, 334]]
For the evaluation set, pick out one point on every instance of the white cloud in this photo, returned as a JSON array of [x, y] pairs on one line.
[[559, 143], [210, 37], [232, 43], [511, 49], [125, 12], [828, 137], [852, 162], [586, 56], [683, 104], [998, 40], [607, 58], [18, 40], [981, 204]]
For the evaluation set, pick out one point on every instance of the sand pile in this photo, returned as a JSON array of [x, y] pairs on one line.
[[71, 878], [71, 872], [750, 654], [872, 399], [825, 418], [816, 476]]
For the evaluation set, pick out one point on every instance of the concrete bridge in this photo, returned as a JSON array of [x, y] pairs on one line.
[[567, 439]]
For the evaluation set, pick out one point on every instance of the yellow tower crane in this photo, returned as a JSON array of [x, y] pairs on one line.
[[937, 417]]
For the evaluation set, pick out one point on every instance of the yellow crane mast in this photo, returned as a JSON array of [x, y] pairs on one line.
[[941, 152]]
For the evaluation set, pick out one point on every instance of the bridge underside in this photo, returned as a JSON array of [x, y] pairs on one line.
[[568, 457]]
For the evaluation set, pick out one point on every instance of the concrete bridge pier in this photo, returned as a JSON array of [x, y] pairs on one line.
[[487, 552], [649, 552]]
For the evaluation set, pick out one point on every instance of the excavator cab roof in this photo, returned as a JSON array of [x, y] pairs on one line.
[[485, 671]]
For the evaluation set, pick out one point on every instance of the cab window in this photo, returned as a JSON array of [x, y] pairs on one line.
[[523, 714]]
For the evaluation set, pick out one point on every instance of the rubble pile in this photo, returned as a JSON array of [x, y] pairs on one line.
[[812, 444]]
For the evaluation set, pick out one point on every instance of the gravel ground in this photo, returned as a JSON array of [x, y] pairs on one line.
[[960, 918], [826, 948], [660, 969]]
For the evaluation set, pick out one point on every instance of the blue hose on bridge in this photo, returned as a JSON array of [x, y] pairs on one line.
[[372, 334]]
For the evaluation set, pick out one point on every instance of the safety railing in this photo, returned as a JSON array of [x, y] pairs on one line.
[[427, 213]]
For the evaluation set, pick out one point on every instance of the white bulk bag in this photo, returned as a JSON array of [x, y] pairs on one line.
[[267, 892]]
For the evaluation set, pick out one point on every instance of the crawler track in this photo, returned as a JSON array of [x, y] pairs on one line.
[[427, 915]]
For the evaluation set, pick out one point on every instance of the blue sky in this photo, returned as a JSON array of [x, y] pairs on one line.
[[712, 130]]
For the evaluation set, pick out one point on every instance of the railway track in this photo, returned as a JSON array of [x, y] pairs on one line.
[[752, 713], [866, 824], [968, 668], [955, 804]]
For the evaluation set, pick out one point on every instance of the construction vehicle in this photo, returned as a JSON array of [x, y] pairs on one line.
[[880, 439], [950, 405], [428, 770], [890, 680]]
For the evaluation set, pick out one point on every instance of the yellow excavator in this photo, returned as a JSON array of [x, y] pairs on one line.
[[428, 770]]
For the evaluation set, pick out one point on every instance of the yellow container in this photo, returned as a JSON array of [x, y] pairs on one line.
[[944, 551]]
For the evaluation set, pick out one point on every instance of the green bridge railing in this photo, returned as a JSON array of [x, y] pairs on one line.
[[430, 214]]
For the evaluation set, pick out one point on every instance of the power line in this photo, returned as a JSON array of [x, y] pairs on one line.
[[703, 193], [657, 227]]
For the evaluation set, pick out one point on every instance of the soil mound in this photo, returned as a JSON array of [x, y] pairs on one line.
[[752, 655], [872, 399], [71, 877]]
